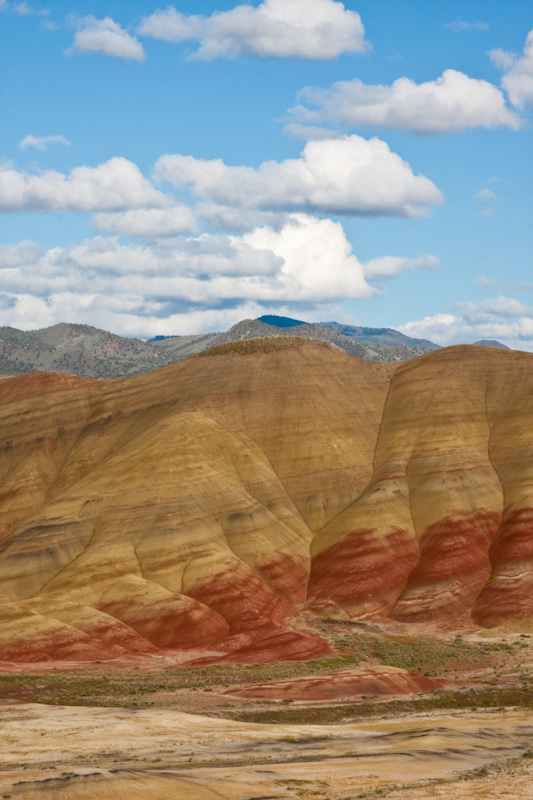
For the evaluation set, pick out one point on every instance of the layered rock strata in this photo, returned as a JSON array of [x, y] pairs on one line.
[[205, 507]]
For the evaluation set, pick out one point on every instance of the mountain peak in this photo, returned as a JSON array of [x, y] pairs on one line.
[[280, 322], [492, 343]]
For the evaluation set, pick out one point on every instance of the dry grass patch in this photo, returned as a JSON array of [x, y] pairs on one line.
[[266, 344]]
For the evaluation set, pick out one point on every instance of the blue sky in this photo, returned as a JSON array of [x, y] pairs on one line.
[[174, 169]]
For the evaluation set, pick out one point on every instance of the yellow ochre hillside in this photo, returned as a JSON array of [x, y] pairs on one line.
[[209, 507]]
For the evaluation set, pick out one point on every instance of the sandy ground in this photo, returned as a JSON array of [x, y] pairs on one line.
[[84, 753], [167, 751]]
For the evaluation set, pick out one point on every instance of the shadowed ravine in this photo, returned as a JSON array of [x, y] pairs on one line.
[[211, 506]]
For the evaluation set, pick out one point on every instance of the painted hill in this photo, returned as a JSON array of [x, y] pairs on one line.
[[208, 507], [92, 353]]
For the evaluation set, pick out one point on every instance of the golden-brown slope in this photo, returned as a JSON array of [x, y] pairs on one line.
[[427, 540], [180, 510]]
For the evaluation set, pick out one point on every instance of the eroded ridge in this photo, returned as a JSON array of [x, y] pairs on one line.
[[208, 507]]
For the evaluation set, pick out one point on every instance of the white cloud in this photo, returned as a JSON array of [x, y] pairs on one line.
[[347, 175], [239, 220], [23, 9], [29, 312], [309, 260], [148, 222], [183, 285], [462, 26], [315, 29], [484, 282], [107, 37], [486, 213], [451, 103], [116, 184], [501, 318], [518, 73], [41, 142], [486, 195], [315, 254], [309, 132], [387, 267], [350, 175], [442, 329], [501, 58], [497, 306], [18, 255]]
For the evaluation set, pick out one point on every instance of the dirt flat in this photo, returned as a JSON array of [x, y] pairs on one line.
[[80, 753]]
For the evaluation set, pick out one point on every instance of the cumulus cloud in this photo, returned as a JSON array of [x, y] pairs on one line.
[[314, 29], [387, 267], [502, 59], [309, 260], [178, 285], [501, 318], [451, 103], [148, 222], [17, 255], [107, 37], [315, 253], [347, 175], [114, 185], [350, 175], [496, 306], [41, 142], [462, 26], [239, 220], [518, 73]]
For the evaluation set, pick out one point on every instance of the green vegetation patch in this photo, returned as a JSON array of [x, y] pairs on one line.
[[358, 645], [136, 687], [426, 656], [486, 698]]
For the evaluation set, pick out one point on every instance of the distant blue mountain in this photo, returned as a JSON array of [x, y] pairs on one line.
[[162, 338], [492, 343], [281, 322], [368, 336], [372, 336]]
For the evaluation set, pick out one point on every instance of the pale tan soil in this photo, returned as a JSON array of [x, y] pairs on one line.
[[99, 753], [160, 753]]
